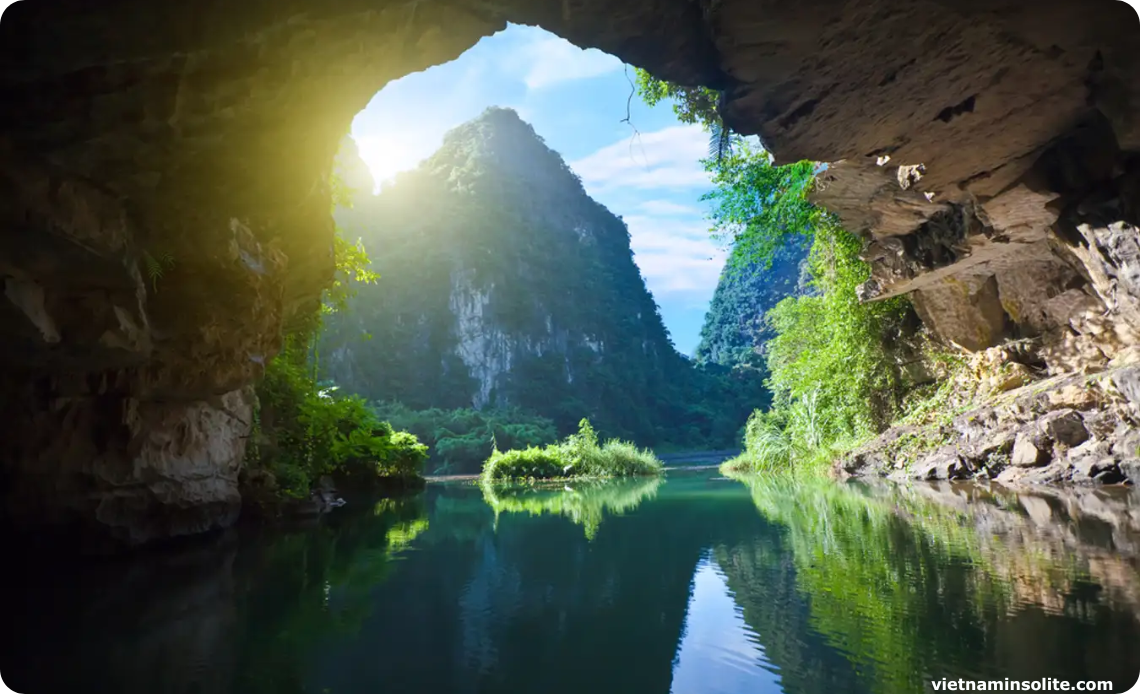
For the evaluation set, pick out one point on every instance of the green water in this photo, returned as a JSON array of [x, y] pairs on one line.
[[692, 584]]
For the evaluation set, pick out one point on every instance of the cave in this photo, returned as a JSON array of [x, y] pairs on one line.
[[166, 201]]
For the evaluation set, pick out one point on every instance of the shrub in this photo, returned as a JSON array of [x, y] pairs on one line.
[[536, 463], [304, 431], [406, 457], [623, 459], [579, 455]]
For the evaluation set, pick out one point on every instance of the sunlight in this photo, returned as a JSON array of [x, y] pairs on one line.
[[391, 153]]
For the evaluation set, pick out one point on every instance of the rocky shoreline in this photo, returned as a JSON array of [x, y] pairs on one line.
[[1076, 429]]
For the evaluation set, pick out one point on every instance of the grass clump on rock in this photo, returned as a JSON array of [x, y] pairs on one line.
[[579, 455]]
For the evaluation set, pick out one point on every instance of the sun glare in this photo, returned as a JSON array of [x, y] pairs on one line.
[[389, 154]]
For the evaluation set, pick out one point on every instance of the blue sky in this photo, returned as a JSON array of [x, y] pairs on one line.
[[576, 100]]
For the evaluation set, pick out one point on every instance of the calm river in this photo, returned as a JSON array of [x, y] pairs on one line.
[[691, 584]]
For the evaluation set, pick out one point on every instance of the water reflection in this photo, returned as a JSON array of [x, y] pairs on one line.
[[914, 583], [583, 502], [697, 584], [719, 651], [233, 614]]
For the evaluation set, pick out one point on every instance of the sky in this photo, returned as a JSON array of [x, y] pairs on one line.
[[648, 171]]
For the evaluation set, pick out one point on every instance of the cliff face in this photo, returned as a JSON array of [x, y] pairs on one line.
[[204, 132], [503, 283]]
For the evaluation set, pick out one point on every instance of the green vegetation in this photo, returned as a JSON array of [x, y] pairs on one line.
[[579, 455], [690, 104], [735, 331], [782, 439], [832, 362], [306, 431], [586, 503], [156, 266], [506, 288], [460, 440], [303, 429]]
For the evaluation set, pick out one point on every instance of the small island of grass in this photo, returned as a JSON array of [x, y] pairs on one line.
[[577, 456]]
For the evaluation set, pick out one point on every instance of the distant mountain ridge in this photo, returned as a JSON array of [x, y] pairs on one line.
[[735, 328]]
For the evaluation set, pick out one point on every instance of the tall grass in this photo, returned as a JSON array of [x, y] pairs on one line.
[[579, 455], [792, 438]]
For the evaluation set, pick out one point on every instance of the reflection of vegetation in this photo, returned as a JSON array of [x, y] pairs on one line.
[[586, 503], [402, 535], [906, 585], [323, 579], [759, 573], [877, 582], [462, 518]]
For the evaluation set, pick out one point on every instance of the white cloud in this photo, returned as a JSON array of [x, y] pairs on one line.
[[670, 240], [666, 207], [550, 60], [668, 158], [668, 273], [676, 256]]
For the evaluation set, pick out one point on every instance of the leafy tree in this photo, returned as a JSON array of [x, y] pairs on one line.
[[690, 104], [833, 348], [761, 208]]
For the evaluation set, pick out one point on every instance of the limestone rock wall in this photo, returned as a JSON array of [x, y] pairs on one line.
[[86, 456]]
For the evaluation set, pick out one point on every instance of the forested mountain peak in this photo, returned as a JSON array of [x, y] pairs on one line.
[[501, 144], [503, 284]]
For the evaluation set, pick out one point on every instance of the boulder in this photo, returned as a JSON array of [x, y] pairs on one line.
[[1028, 451], [944, 464], [1127, 382], [1094, 469], [1130, 470], [1065, 427]]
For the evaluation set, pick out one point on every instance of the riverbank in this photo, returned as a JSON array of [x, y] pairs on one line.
[[1075, 429]]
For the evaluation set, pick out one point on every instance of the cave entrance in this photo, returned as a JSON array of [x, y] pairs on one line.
[[543, 253], [639, 161]]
